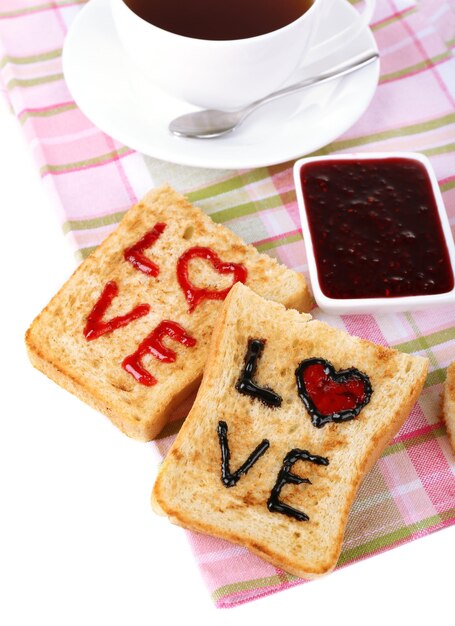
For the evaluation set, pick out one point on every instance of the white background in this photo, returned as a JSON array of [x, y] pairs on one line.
[[79, 543]]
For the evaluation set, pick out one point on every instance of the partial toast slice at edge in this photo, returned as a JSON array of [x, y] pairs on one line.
[[448, 404]]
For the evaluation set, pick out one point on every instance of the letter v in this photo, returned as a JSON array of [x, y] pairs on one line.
[[228, 478], [96, 327]]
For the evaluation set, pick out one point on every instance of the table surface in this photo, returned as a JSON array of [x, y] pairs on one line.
[[79, 543]]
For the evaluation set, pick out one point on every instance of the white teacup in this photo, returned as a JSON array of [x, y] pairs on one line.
[[229, 73]]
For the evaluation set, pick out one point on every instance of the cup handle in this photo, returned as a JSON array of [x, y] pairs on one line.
[[330, 45]]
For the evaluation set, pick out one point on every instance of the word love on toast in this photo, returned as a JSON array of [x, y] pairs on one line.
[[129, 332], [328, 396], [290, 416]]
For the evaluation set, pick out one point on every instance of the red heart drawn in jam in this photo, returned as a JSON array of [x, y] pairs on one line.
[[193, 294], [331, 396]]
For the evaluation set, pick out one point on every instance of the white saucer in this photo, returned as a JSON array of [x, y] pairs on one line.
[[117, 100]]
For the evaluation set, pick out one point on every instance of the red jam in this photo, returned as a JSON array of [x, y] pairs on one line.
[[330, 395], [153, 344], [194, 295], [375, 228], [96, 327], [135, 253]]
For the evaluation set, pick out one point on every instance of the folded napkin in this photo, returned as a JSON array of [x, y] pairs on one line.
[[93, 179]]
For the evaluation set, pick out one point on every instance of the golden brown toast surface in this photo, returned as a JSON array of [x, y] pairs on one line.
[[189, 487], [93, 369]]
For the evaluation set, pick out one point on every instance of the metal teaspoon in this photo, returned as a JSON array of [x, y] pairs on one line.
[[211, 123]]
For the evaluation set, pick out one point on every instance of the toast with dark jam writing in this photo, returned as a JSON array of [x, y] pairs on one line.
[[129, 332], [290, 416]]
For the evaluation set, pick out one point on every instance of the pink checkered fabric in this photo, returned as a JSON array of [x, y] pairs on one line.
[[93, 179]]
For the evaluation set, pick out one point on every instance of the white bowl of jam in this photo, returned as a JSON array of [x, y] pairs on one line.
[[376, 232]]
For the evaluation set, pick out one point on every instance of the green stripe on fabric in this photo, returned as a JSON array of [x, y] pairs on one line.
[[388, 540], [450, 147], [447, 516], [415, 68], [258, 583], [394, 18], [431, 357], [248, 208], [41, 7], [67, 167], [423, 343], [83, 253], [436, 377], [262, 173], [281, 241], [34, 58], [225, 186], [347, 556], [32, 82], [237, 182], [394, 448], [62, 108], [96, 222], [412, 129], [219, 217], [450, 184]]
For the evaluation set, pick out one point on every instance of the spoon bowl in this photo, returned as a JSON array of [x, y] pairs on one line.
[[212, 123]]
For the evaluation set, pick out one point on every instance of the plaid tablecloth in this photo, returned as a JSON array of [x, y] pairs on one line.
[[92, 180]]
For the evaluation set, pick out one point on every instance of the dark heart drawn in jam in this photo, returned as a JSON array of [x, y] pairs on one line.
[[331, 396], [194, 295]]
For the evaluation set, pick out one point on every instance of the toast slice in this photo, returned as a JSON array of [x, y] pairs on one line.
[[448, 404], [252, 464], [127, 334]]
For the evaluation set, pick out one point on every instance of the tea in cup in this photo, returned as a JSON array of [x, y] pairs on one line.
[[226, 54]]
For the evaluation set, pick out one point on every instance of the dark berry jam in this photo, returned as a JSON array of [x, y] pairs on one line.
[[330, 395], [375, 228]]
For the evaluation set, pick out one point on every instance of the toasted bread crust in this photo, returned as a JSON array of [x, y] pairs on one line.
[[92, 370], [448, 404], [141, 431], [188, 488]]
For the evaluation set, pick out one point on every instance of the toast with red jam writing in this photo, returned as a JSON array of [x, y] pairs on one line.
[[290, 416], [129, 332], [448, 404]]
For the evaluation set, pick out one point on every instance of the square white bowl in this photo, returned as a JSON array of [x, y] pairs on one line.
[[373, 305]]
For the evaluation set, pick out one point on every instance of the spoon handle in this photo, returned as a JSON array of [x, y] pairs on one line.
[[341, 70]]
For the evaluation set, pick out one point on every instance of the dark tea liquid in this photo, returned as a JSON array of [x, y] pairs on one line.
[[219, 19]]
